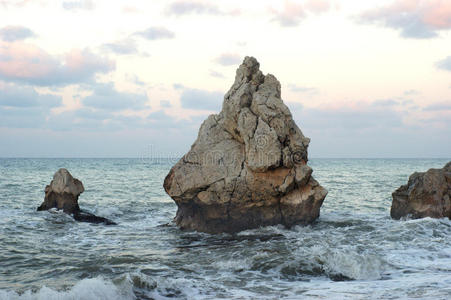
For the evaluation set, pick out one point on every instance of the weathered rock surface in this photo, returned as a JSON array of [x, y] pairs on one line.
[[63, 193], [427, 194], [248, 167]]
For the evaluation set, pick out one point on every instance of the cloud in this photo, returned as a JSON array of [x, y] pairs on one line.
[[216, 74], [300, 89], [15, 33], [22, 107], [12, 95], [156, 33], [201, 99], [185, 7], [294, 13], [291, 14], [412, 92], [16, 3], [165, 104], [418, 19], [384, 102], [79, 5], [22, 117], [444, 64], [130, 10], [178, 86], [123, 47], [228, 59], [364, 116], [318, 6], [444, 106], [106, 97], [21, 62]]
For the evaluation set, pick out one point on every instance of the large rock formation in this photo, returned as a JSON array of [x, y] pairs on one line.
[[427, 194], [63, 193], [248, 166]]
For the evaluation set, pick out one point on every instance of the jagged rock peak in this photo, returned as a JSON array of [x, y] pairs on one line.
[[248, 166]]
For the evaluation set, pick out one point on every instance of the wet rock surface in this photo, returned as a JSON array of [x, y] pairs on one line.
[[427, 194], [248, 167], [63, 192]]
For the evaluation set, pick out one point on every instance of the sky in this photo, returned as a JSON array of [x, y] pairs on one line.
[[87, 78]]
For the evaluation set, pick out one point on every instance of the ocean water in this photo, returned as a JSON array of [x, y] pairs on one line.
[[353, 251]]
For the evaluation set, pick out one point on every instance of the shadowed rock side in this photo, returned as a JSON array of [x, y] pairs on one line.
[[427, 194], [248, 166], [63, 193]]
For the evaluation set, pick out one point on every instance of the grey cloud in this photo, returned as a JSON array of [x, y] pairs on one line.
[[444, 64], [185, 7], [301, 89], [22, 117], [178, 86], [228, 59], [350, 119], [384, 102], [216, 74], [23, 107], [165, 103], [25, 96], [411, 92], [445, 106], [78, 5], [15, 33], [106, 97], [201, 99], [122, 47], [156, 33], [416, 20], [295, 107]]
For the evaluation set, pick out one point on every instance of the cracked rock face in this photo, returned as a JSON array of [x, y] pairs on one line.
[[248, 167], [427, 194], [63, 192]]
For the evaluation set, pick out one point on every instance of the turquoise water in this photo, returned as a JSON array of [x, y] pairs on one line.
[[353, 251]]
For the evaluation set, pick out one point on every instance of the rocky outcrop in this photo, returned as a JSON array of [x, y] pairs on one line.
[[427, 194], [248, 167], [63, 193]]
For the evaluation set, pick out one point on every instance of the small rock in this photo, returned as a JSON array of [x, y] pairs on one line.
[[427, 194], [63, 193]]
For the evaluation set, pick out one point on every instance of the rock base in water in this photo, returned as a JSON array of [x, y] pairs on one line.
[[248, 167], [427, 194]]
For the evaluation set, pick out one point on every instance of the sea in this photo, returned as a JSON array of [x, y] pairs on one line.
[[353, 251]]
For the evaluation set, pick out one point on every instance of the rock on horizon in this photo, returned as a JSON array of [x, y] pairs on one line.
[[248, 167]]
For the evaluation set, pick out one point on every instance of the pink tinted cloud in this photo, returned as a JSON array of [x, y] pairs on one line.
[[294, 12], [28, 63], [291, 14], [318, 6], [415, 18]]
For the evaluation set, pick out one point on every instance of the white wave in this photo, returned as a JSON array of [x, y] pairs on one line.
[[86, 289], [351, 264], [108, 212]]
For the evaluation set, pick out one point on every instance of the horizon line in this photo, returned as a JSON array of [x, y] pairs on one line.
[[179, 157]]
